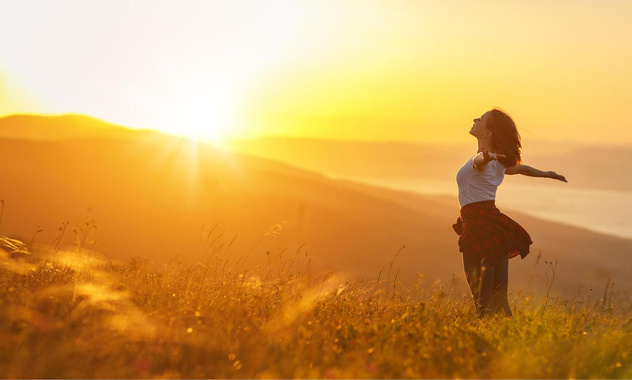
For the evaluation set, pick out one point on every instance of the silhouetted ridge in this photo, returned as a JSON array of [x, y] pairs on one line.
[[61, 127]]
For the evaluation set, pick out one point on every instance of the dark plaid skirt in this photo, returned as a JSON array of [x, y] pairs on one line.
[[486, 232]]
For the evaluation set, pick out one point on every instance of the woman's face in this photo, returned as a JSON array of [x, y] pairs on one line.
[[479, 129]]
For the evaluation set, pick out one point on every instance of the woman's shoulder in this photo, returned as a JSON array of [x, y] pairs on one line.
[[496, 166]]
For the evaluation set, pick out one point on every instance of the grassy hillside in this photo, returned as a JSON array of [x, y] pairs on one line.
[[72, 314]]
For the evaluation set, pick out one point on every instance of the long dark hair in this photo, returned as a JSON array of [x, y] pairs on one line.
[[505, 137]]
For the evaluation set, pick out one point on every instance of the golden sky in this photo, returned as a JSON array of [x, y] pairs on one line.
[[370, 70]]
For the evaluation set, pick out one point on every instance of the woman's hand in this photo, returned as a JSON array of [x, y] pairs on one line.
[[556, 176], [481, 161], [488, 156]]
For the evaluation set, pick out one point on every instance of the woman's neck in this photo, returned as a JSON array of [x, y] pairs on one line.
[[485, 143]]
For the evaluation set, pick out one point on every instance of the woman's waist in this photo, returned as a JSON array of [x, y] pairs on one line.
[[479, 208]]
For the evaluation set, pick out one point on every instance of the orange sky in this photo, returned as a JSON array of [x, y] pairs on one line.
[[390, 70]]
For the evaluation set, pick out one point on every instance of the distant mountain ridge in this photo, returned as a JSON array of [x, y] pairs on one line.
[[595, 167], [61, 127]]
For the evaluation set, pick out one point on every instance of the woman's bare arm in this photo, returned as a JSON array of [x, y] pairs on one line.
[[533, 172]]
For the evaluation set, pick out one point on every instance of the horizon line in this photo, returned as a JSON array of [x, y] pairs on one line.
[[311, 138]]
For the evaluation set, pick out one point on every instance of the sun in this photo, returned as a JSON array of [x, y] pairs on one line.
[[208, 124], [201, 118]]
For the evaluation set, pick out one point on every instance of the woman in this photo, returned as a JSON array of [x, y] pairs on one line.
[[488, 238]]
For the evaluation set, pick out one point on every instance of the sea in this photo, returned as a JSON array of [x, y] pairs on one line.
[[604, 211]]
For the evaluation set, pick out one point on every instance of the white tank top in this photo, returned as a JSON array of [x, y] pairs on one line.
[[476, 185]]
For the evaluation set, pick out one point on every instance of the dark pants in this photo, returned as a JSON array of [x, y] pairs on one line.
[[488, 283]]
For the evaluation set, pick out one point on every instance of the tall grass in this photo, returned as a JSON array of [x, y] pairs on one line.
[[73, 314]]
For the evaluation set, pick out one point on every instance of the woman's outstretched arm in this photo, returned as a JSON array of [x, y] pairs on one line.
[[533, 172]]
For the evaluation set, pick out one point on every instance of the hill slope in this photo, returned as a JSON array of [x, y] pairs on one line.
[[157, 196]]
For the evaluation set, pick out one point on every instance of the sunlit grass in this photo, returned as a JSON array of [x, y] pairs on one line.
[[69, 314]]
